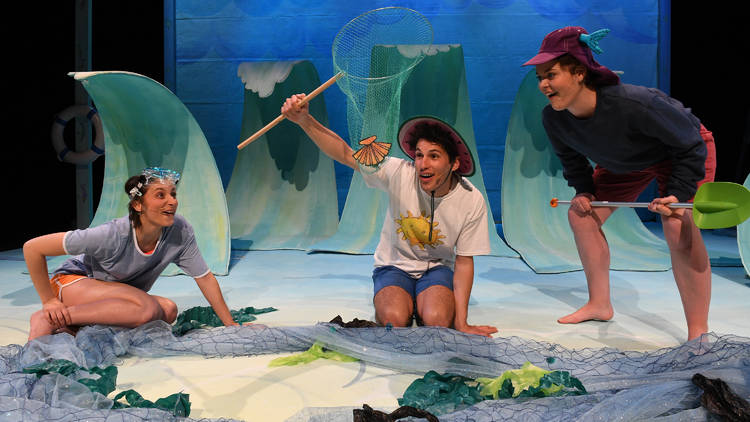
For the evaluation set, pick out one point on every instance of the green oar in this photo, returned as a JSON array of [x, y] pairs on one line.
[[716, 205]]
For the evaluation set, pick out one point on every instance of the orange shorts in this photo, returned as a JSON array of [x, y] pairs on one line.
[[58, 281]]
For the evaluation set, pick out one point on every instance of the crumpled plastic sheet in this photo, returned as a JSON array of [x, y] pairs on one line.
[[621, 384], [27, 410]]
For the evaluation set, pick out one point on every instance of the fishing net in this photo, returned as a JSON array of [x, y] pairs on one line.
[[372, 79], [619, 384], [375, 54]]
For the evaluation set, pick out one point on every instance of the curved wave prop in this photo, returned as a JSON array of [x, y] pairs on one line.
[[743, 238], [145, 124], [282, 194]]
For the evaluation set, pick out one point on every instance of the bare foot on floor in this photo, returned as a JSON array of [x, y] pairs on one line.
[[588, 312], [39, 326]]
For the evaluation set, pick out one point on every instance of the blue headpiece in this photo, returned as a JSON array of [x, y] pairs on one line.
[[153, 174], [592, 39]]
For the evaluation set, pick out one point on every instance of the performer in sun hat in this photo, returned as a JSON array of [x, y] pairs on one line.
[[634, 134], [435, 224]]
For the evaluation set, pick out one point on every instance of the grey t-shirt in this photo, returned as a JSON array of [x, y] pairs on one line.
[[109, 252]]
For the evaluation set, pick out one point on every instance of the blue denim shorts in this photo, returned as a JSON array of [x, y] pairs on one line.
[[389, 275]]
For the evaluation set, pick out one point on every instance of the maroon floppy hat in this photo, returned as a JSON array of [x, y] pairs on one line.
[[465, 159], [569, 40]]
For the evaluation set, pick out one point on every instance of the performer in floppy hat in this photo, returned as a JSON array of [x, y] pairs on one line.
[[116, 263], [436, 222], [634, 134]]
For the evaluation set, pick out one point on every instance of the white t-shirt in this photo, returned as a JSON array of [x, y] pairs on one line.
[[110, 252], [459, 222]]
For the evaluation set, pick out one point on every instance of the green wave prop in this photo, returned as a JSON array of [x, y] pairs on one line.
[[532, 175], [743, 237], [282, 193], [145, 125], [437, 87]]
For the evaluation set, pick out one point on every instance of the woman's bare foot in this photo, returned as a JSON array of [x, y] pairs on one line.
[[40, 326], [589, 312]]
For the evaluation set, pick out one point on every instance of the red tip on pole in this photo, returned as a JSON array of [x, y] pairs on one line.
[[553, 203]]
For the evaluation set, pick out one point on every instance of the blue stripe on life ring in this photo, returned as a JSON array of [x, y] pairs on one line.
[[62, 153], [60, 121], [96, 149], [91, 113]]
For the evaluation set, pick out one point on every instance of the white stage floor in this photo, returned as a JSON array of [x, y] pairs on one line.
[[309, 288]]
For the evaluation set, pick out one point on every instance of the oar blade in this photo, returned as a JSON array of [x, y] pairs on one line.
[[718, 205]]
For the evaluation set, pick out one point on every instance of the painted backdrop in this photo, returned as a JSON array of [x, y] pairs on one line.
[[206, 41]]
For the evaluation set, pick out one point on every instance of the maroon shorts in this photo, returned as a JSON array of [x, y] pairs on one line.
[[627, 186]]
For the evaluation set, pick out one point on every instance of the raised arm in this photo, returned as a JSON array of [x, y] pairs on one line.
[[327, 140], [35, 252], [463, 280]]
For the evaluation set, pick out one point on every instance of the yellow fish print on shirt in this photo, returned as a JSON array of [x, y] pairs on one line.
[[416, 230]]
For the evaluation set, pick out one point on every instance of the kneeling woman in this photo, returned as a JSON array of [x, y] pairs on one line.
[[116, 263]]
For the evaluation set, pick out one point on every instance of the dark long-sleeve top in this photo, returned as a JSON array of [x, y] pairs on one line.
[[633, 128]]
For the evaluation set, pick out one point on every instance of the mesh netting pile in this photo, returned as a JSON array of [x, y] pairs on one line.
[[621, 385]]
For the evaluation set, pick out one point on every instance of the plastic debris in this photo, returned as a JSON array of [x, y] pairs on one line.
[[355, 323], [104, 383], [720, 400], [368, 414], [178, 403], [621, 385], [315, 352], [204, 316], [106, 379], [440, 394], [531, 381]]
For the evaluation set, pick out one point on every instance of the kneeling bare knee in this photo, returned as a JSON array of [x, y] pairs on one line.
[[436, 318], [150, 310], [395, 317]]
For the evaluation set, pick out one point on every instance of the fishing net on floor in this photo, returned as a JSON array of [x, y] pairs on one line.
[[620, 384]]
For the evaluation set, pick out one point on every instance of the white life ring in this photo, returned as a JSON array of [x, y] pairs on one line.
[[64, 153]]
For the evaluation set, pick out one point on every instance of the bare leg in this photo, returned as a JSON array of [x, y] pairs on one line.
[[691, 268], [393, 305], [436, 306], [594, 252], [92, 301], [168, 307], [39, 325]]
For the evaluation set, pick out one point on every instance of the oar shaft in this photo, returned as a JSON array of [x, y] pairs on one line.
[[717, 205], [281, 117], [631, 204]]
